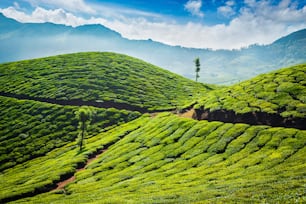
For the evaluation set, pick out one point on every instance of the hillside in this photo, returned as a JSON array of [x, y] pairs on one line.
[[274, 98], [30, 129], [229, 153], [168, 159], [113, 79], [21, 41]]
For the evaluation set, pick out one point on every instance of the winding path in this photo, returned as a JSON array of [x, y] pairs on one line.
[[63, 183], [80, 102]]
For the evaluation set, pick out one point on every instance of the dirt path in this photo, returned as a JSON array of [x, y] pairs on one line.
[[79, 102], [222, 115], [188, 114], [62, 184]]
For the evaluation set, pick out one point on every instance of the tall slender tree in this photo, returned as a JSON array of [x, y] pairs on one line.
[[84, 115], [198, 67]]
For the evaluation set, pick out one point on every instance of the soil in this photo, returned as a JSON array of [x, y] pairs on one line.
[[79, 102], [252, 118], [62, 184], [188, 114]]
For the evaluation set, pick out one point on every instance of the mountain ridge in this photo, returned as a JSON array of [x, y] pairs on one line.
[[218, 66]]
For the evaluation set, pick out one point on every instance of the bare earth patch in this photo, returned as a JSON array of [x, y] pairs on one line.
[[62, 184]]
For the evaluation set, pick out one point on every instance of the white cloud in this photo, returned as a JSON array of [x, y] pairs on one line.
[[16, 5], [68, 5], [230, 3], [20, 16], [41, 15], [260, 23], [250, 2], [117, 12], [194, 7], [227, 10]]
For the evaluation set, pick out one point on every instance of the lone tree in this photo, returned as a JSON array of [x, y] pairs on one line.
[[84, 115], [197, 65]]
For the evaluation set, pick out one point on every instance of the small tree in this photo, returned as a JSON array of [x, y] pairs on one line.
[[84, 115], [198, 67]]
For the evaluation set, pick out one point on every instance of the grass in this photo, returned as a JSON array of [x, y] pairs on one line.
[[30, 129], [180, 161], [100, 77], [281, 92]]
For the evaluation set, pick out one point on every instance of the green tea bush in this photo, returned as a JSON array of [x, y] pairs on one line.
[[281, 92], [185, 169], [29, 129], [94, 76]]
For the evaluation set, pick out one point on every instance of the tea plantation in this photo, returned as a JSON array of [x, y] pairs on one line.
[[147, 157], [168, 159], [282, 92], [100, 77], [29, 129]]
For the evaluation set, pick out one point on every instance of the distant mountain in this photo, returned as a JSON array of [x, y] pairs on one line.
[[31, 40]]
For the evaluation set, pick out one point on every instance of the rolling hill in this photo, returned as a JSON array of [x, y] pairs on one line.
[[108, 79], [274, 98], [146, 156], [168, 159], [31, 129], [21, 41]]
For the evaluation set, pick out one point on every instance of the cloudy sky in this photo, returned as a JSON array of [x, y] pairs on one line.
[[216, 24]]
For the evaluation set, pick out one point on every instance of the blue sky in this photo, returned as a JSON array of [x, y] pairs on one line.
[[216, 24]]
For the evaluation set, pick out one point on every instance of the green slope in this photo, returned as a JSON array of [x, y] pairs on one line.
[[30, 129], [168, 159], [151, 159], [281, 92], [99, 77]]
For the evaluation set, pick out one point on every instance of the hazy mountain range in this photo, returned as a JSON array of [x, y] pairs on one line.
[[31, 40]]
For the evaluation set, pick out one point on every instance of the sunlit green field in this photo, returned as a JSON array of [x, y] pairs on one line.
[[173, 159], [146, 158], [100, 77], [30, 129], [282, 92]]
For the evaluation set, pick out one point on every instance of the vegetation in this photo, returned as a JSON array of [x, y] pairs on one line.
[[99, 77], [198, 67], [41, 173], [29, 129], [157, 158], [168, 159], [282, 92], [84, 114]]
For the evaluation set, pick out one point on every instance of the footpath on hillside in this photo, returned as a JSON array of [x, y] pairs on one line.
[[188, 114], [61, 184]]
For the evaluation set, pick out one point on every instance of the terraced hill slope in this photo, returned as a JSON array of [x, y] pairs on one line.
[[156, 158], [30, 129], [168, 159], [277, 98], [109, 79]]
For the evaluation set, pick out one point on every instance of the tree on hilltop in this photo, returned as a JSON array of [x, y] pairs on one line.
[[198, 67]]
